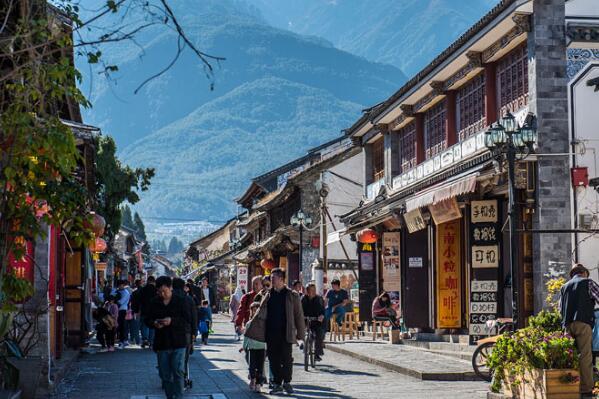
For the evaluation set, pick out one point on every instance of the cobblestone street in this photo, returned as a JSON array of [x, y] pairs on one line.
[[219, 371]]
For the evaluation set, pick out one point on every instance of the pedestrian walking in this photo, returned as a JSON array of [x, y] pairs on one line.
[[106, 317], [191, 327], [123, 297], [255, 355], [313, 306], [147, 295], [280, 323], [577, 302], [234, 303], [209, 295], [205, 321], [336, 299], [298, 287], [170, 316], [135, 307], [243, 313]]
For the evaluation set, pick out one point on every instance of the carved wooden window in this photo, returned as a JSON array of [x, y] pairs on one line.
[[407, 147], [435, 130], [512, 80], [378, 159], [470, 107]]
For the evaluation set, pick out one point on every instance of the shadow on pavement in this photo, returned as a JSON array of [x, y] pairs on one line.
[[334, 370], [313, 391]]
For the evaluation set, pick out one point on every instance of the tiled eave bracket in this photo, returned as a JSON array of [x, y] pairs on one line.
[[579, 32]]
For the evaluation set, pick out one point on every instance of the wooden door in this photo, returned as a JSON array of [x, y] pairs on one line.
[[73, 298], [416, 280]]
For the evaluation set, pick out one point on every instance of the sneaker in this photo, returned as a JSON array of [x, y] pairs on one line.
[[288, 388], [276, 388], [111, 349], [258, 388], [318, 358], [253, 385]]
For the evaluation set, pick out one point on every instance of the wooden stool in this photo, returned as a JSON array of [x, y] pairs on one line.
[[335, 331], [350, 325], [378, 327]]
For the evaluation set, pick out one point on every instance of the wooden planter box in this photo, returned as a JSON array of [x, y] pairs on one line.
[[545, 384]]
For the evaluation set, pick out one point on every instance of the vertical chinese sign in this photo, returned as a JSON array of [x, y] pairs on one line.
[[242, 277], [485, 232], [449, 298], [391, 267]]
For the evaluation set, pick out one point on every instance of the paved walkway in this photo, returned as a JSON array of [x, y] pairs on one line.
[[219, 372], [407, 360]]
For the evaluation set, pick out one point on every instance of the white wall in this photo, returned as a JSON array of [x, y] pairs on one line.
[[584, 112], [343, 197], [586, 8]]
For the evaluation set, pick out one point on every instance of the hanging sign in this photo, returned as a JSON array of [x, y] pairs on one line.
[[445, 211], [414, 220], [449, 299], [391, 268], [242, 277], [483, 211]]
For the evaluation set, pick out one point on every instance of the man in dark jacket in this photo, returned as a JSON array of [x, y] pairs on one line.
[[179, 290], [208, 294], [577, 303], [146, 296], [170, 316]]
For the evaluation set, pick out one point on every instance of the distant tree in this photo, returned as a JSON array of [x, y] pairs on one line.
[[117, 183], [175, 246], [139, 227], [126, 218]]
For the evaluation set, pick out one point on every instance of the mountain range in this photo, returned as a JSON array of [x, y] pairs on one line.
[[282, 89]]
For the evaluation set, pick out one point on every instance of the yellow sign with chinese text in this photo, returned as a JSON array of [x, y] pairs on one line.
[[449, 298]]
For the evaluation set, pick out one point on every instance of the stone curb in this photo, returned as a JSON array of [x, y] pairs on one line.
[[424, 376]]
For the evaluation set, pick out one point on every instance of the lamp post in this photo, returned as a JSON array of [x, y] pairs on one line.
[[506, 137], [299, 219]]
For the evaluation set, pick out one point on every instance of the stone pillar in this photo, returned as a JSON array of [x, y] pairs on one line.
[[548, 101]]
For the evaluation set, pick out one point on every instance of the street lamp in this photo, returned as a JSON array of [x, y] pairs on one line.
[[509, 139], [299, 219]]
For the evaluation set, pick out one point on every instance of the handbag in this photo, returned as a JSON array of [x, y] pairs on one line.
[[109, 321]]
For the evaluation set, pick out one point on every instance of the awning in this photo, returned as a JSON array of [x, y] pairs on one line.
[[458, 185]]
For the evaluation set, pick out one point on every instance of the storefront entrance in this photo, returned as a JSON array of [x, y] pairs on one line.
[[416, 272]]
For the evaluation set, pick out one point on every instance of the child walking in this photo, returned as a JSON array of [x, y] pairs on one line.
[[205, 321], [107, 317], [255, 355]]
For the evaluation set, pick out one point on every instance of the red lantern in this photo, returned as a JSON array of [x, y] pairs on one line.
[[268, 264], [98, 224], [98, 246], [367, 236]]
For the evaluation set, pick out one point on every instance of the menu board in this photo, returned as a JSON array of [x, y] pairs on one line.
[[391, 262], [483, 307]]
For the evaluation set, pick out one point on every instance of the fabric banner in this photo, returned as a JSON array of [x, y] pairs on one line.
[[414, 220], [391, 262], [449, 298], [445, 211]]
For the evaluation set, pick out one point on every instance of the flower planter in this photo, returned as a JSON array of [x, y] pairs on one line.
[[544, 384]]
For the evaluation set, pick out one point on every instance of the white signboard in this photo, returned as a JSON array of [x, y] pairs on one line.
[[481, 329], [483, 307], [483, 286], [414, 262], [483, 211], [485, 256], [242, 277]]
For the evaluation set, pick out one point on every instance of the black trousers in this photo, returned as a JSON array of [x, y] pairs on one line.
[[256, 362], [104, 335], [280, 359], [122, 325]]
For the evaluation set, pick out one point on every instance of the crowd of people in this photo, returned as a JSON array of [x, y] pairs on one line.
[[171, 315]]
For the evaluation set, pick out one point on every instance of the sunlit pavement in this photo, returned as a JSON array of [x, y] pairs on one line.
[[219, 371]]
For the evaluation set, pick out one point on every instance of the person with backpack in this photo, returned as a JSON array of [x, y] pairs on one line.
[[205, 320]]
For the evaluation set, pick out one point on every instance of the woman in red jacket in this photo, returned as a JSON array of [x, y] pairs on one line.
[[243, 312]]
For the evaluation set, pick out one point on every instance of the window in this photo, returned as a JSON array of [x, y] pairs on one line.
[[407, 147], [435, 130], [470, 107], [378, 159], [512, 80]]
